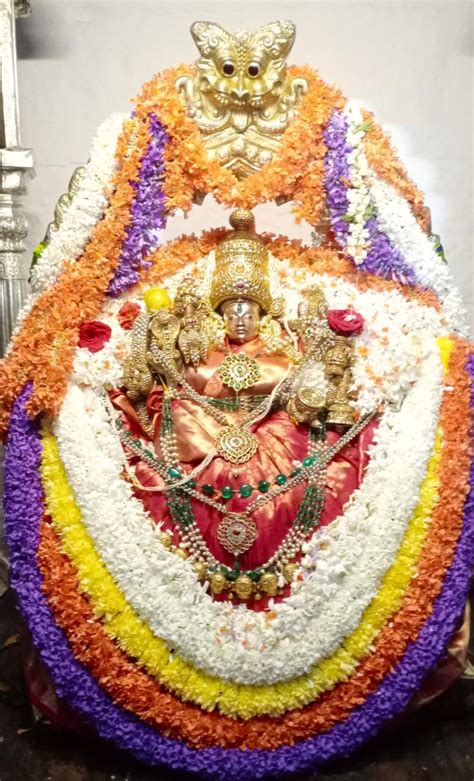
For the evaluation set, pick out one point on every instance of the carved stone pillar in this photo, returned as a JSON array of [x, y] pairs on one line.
[[16, 166]]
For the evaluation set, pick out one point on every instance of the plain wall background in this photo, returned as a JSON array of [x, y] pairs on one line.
[[410, 62]]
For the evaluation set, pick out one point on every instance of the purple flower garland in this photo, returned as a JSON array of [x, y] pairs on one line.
[[23, 509], [382, 258], [147, 210], [336, 168]]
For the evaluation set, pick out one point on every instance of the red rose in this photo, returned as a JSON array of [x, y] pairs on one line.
[[94, 335], [345, 322], [127, 315]]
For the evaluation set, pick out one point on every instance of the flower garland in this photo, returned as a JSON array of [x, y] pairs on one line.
[[44, 347], [154, 595], [384, 160], [399, 225], [190, 170], [391, 572], [183, 251], [349, 199], [79, 219], [147, 212], [86, 208], [374, 224], [337, 173], [390, 696], [133, 635], [388, 354], [416, 602], [296, 172]]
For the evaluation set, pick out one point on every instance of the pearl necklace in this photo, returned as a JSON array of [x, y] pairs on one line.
[[235, 443], [237, 528]]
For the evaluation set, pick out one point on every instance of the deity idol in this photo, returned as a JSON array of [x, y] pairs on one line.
[[245, 418], [237, 473]]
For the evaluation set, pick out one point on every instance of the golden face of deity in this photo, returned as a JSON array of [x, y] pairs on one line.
[[243, 69], [241, 319]]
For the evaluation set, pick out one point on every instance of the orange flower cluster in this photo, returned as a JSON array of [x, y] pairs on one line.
[[383, 158], [43, 350], [176, 254], [295, 173], [138, 692]]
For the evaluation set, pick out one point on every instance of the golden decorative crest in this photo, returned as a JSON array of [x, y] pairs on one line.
[[240, 97]]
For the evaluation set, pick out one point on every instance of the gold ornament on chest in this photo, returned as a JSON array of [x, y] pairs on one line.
[[237, 533], [236, 445], [240, 98], [239, 371]]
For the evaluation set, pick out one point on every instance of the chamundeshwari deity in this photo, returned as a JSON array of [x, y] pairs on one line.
[[238, 466]]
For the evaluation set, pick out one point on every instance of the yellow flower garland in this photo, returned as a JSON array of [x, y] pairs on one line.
[[243, 701]]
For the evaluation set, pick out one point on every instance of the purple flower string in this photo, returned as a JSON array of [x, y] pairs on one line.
[[382, 258], [336, 168], [24, 507], [147, 211]]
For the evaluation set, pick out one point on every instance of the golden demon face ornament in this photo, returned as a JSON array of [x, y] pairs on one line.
[[236, 70], [240, 97]]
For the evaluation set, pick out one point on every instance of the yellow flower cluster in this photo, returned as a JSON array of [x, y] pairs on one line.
[[243, 701]]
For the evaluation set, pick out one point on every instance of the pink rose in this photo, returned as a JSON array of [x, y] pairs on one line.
[[345, 322], [94, 335]]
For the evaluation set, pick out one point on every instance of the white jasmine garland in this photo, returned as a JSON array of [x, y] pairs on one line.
[[24, 311], [397, 221], [85, 210], [353, 553], [358, 194]]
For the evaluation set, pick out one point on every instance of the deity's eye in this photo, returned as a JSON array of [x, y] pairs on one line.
[[228, 68], [253, 69]]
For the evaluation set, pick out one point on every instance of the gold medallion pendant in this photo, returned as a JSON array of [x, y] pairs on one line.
[[239, 371], [236, 533], [236, 445]]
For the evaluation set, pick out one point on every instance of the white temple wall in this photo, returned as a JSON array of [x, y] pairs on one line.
[[410, 62]]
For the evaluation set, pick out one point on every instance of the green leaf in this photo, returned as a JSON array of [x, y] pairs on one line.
[[364, 126], [37, 252]]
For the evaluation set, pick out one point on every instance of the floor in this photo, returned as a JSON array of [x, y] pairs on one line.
[[435, 744]]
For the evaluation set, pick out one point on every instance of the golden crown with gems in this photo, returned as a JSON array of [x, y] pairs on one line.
[[241, 265]]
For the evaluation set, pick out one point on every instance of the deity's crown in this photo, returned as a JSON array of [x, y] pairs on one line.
[[241, 264]]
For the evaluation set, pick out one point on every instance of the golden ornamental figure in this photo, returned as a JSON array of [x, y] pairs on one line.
[[241, 98]]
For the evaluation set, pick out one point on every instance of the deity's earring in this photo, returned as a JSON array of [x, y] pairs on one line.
[[271, 331]]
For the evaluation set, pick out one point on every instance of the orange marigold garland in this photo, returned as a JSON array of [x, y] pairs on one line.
[[385, 161], [179, 252], [191, 171], [43, 350]]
